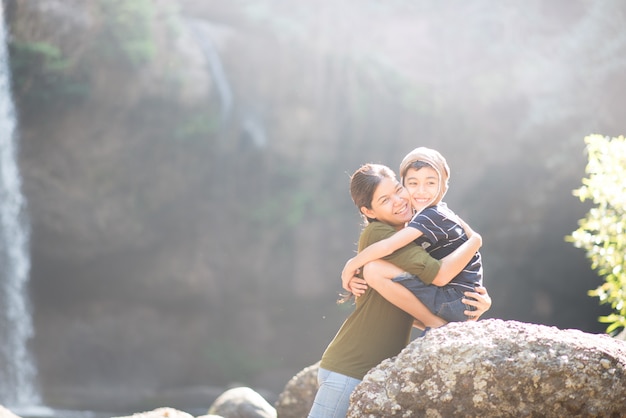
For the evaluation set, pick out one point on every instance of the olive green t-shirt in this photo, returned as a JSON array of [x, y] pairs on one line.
[[376, 329]]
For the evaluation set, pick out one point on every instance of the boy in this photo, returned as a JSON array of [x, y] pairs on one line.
[[435, 228]]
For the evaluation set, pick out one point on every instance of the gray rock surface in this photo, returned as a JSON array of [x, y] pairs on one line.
[[242, 402], [498, 368], [5, 413], [296, 399], [161, 413]]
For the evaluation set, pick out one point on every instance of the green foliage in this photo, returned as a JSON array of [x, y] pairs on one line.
[[602, 233], [127, 33], [42, 75], [292, 204], [196, 127]]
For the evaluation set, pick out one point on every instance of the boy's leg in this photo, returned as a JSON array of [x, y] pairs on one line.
[[378, 275], [450, 304]]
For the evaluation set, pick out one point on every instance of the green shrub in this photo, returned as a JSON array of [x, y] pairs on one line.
[[127, 33], [43, 76], [602, 233]]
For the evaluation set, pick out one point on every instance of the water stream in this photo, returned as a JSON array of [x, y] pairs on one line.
[[17, 385], [202, 31]]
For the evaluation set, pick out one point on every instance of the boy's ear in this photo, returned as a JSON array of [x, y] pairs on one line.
[[369, 213]]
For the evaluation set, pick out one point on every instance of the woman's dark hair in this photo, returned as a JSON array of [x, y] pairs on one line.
[[364, 182]]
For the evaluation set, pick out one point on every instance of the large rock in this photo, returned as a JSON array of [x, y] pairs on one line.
[[5, 413], [498, 368], [161, 413], [296, 399], [242, 402]]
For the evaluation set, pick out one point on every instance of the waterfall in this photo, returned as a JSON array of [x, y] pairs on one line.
[[252, 135], [17, 370], [203, 34]]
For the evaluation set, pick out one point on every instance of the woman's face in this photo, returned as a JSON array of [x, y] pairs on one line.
[[390, 204], [423, 187]]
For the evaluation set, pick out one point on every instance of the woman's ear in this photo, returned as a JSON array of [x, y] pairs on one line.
[[369, 213]]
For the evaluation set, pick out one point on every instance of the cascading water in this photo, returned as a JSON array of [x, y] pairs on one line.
[[252, 130], [17, 370], [203, 34]]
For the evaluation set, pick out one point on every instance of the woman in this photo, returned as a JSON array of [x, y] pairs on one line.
[[377, 329]]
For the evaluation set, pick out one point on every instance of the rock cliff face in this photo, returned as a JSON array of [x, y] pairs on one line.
[[145, 195], [90, 160], [210, 210]]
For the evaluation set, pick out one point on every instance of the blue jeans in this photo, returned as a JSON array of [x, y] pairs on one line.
[[445, 302], [333, 396]]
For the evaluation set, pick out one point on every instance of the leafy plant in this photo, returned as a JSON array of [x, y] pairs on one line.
[[127, 33], [602, 233], [196, 127], [42, 75]]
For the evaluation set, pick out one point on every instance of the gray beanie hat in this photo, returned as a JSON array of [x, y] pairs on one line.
[[435, 160]]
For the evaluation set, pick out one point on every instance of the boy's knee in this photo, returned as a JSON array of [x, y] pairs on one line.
[[372, 267], [377, 270], [373, 270], [381, 269]]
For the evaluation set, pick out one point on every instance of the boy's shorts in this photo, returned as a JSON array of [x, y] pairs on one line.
[[445, 302]]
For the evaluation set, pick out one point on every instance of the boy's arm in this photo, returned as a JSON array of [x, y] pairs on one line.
[[454, 263], [378, 250]]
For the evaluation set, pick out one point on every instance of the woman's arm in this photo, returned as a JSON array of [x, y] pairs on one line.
[[378, 274], [479, 299], [377, 250]]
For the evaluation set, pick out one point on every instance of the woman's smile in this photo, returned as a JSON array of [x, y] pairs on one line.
[[405, 208], [390, 204]]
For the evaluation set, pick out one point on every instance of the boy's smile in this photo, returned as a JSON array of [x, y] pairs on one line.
[[423, 187]]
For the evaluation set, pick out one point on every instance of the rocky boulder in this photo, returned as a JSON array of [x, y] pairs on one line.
[[5, 413], [160, 413], [296, 399], [498, 368], [242, 402]]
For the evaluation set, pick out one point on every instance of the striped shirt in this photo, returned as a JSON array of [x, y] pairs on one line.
[[442, 234]]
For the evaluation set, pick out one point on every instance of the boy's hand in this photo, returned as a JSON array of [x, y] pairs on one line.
[[357, 286], [347, 274]]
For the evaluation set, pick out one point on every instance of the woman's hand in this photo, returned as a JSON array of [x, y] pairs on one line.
[[480, 299]]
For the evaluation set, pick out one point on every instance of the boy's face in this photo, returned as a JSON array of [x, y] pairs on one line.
[[423, 187]]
